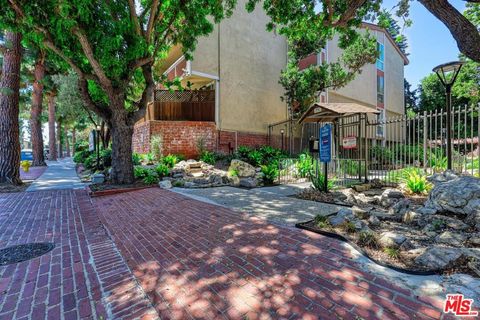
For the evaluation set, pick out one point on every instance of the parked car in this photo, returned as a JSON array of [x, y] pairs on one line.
[[26, 154]]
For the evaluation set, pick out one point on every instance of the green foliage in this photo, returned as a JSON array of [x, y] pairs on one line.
[[255, 158], [417, 183], [367, 239], [136, 158], [321, 221], [91, 161], [318, 181], [438, 162], [270, 173], [208, 157], [81, 145], [156, 143], [162, 170], [140, 172], [393, 253], [242, 153], [380, 152], [151, 177], [232, 173], [178, 183], [473, 164], [201, 145], [263, 155], [348, 227], [170, 160], [352, 167], [149, 158], [438, 224], [106, 157], [402, 174], [81, 155], [304, 164]]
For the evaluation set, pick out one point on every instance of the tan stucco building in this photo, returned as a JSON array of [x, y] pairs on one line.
[[241, 63]]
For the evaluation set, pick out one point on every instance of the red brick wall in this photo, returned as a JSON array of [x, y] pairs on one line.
[[179, 137]]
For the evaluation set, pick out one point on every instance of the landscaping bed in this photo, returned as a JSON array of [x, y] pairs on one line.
[[106, 188], [8, 188], [413, 233]]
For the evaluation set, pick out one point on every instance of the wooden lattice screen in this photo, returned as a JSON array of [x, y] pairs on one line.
[[196, 105]]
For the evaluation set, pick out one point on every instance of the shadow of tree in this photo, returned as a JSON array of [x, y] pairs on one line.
[[197, 260]]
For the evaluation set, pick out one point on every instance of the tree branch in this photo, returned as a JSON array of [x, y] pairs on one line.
[[464, 32], [147, 94], [97, 68], [134, 17], [352, 8], [87, 99], [152, 20]]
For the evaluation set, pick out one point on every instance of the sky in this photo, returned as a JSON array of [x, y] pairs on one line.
[[430, 43]]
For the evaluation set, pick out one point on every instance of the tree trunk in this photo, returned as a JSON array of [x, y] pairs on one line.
[[52, 142], [59, 139], [9, 110], [36, 112], [74, 139], [122, 131], [67, 144]]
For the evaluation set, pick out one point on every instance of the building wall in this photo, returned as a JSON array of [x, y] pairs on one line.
[[251, 60], [394, 76]]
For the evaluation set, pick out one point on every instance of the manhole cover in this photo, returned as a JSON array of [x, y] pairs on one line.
[[24, 252]]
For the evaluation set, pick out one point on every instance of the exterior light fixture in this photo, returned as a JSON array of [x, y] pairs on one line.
[[447, 73], [282, 132]]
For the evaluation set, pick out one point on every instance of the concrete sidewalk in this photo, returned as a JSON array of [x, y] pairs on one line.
[[59, 175]]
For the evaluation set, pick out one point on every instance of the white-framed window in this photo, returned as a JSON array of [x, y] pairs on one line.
[[381, 56]]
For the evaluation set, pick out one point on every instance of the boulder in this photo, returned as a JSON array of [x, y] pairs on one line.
[[165, 184], [455, 239], [343, 215], [411, 217], [389, 239], [98, 178], [234, 181], [400, 208], [426, 210], [346, 213], [360, 213], [248, 182], [362, 187], [460, 196], [390, 197], [335, 221], [475, 239], [374, 221], [242, 168], [437, 257], [446, 176]]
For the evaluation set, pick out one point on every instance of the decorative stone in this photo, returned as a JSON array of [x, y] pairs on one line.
[[248, 182], [242, 168], [439, 178], [335, 221], [165, 184], [438, 257], [360, 213], [189, 184], [346, 213], [400, 208], [455, 239], [390, 197], [389, 239], [460, 196], [98, 178], [426, 210], [410, 217], [374, 221], [362, 187], [475, 239]]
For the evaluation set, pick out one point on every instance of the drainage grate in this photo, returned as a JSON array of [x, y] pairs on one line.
[[24, 252]]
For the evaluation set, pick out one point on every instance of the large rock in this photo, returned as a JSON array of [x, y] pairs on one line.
[[342, 216], [248, 182], [455, 239], [361, 213], [389, 239], [438, 257], [390, 197], [242, 168], [446, 176], [165, 184], [460, 196], [400, 208]]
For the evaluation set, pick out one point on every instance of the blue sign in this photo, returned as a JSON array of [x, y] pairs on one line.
[[325, 143]]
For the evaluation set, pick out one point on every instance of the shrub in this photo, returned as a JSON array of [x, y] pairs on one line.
[[304, 164], [140, 172], [149, 158], [170, 161], [367, 239], [150, 177], [243, 152], [156, 142], [270, 173], [136, 158], [255, 158], [208, 157], [348, 227], [417, 183], [81, 146], [232, 173], [352, 167], [106, 157], [162, 170], [201, 145], [318, 181], [81, 155], [402, 174], [438, 162], [393, 253], [321, 221], [91, 161], [25, 164]]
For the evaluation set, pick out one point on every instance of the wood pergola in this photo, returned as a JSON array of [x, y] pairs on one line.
[[329, 112]]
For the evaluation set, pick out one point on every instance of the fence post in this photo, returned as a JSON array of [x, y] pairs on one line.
[[425, 140]]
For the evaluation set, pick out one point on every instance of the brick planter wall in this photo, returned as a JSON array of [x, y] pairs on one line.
[[180, 137]]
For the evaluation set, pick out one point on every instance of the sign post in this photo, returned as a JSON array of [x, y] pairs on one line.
[[325, 150]]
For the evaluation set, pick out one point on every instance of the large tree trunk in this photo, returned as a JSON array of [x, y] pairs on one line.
[[52, 141], [36, 112], [122, 131], [9, 99], [67, 143], [59, 138]]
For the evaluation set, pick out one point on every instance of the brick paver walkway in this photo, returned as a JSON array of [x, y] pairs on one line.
[[33, 173], [197, 260], [84, 277]]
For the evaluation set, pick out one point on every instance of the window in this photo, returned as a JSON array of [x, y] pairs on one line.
[[380, 88], [381, 56], [380, 118]]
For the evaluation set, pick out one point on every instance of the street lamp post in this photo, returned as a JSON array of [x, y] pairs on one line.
[[282, 132], [97, 142], [447, 73]]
